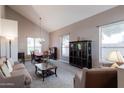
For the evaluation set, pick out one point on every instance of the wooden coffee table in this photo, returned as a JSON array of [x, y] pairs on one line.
[[45, 69]]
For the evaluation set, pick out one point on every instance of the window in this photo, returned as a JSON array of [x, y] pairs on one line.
[[65, 46], [112, 38], [33, 44]]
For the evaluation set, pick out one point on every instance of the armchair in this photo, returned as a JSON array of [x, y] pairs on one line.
[[96, 78]]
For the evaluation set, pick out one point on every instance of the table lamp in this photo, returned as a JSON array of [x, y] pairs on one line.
[[115, 57]]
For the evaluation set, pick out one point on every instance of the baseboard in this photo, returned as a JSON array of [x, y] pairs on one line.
[[61, 60]]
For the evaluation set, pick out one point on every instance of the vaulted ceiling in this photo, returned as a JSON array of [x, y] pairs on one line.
[[55, 17]]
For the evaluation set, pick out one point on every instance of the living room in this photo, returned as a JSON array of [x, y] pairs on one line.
[[38, 46]]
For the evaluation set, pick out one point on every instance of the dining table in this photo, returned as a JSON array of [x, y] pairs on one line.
[[38, 54], [38, 57]]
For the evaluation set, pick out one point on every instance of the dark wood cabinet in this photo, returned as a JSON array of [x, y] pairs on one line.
[[53, 53], [80, 53]]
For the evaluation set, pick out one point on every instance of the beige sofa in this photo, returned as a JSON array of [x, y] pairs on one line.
[[19, 77], [96, 78]]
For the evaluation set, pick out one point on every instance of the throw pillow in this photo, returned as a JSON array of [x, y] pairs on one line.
[[11, 61], [5, 70], [9, 66]]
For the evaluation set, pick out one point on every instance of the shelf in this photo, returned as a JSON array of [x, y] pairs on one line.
[[80, 54]]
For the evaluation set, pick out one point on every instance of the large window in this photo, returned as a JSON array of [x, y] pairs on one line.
[[33, 44], [65, 46], [112, 38]]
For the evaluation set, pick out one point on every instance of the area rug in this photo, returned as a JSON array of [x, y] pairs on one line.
[[64, 79]]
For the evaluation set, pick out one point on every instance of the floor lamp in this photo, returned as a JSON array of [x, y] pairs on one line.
[[0, 46], [10, 44], [10, 48]]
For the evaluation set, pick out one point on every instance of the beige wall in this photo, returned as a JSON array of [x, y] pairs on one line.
[[9, 28], [87, 29], [2, 12], [26, 29]]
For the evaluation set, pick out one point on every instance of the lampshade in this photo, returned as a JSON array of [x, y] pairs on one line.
[[115, 56]]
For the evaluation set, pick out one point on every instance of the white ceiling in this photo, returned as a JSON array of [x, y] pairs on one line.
[[56, 17]]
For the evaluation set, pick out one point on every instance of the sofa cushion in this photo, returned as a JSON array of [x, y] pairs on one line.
[[18, 66], [5, 70], [24, 72], [2, 61], [11, 61]]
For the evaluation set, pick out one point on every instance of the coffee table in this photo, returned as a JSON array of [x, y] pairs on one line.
[[45, 69]]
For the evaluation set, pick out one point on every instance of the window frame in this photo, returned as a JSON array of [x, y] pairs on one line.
[[34, 45], [100, 40], [62, 44]]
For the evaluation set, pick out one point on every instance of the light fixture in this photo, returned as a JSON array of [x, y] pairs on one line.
[[116, 57], [10, 37], [42, 39]]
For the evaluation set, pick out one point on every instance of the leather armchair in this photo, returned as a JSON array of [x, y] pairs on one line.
[[96, 78]]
